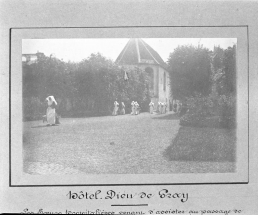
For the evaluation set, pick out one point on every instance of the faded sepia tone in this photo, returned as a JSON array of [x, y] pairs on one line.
[[236, 20], [136, 114]]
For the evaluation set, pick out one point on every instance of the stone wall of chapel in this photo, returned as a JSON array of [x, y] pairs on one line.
[[160, 94]]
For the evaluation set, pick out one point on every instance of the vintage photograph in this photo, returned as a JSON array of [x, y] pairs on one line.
[[129, 105]]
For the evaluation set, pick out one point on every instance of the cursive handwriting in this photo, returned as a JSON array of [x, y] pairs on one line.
[[112, 194]]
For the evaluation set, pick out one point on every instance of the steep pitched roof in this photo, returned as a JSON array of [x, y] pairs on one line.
[[137, 51]]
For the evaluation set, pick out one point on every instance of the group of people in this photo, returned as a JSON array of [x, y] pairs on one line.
[[52, 118], [161, 107], [135, 108], [118, 109]]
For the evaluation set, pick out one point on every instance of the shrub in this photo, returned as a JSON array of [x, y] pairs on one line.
[[197, 120], [33, 109], [200, 105], [227, 111], [210, 111], [91, 85]]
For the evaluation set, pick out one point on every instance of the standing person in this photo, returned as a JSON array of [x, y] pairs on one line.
[[51, 110], [116, 104], [151, 107], [161, 107], [179, 107], [132, 104], [165, 107], [158, 107], [170, 106], [136, 108], [122, 108]]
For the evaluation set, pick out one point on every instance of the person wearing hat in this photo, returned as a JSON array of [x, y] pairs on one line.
[[165, 107], [151, 107], [132, 104], [51, 110], [136, 108], [161, 107], [158, 107], [122, 108], [116, 104]]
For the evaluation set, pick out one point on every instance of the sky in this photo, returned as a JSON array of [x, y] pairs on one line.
[[76, 50]]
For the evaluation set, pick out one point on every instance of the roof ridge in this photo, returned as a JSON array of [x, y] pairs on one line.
[[149, 52], [123, 51], [138, 51], [158, 57]]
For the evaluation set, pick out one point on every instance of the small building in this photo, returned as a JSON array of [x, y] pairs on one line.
[[137, 53], [31, 58]]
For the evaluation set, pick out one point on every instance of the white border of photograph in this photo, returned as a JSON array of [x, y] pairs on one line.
[[18, 177]]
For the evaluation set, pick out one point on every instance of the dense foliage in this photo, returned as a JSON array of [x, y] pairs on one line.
[[206, 82], [190, 71], [194, 70], [210, 111], [89, 87]]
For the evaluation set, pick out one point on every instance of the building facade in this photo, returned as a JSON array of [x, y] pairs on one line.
[[137, 53], [31, 58]]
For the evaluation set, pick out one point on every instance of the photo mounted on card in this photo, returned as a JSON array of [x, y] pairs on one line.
[[129, 106]]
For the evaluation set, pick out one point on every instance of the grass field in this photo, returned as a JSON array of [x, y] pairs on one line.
[[112, 144], [203, 144]]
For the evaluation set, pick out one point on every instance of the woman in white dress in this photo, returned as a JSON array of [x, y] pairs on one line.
[[136, 108], [122, 108], [151, 107], [51, 110], [161, 107], [116, 104], [165, 107], [157, 110], [132, 104]]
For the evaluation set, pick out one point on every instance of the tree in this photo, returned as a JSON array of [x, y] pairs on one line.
[[90, 86], [189, 70], [224, 70], [229, 62]]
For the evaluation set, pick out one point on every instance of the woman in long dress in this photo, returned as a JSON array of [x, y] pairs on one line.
[[132, 107], [122, 108], [157, 110], [136, 108], [115, 108], [51, 110], [162, 107], [165, 107], [151, 107]]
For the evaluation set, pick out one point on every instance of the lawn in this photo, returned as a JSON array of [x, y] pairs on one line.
[[125, 145], [203, 144]]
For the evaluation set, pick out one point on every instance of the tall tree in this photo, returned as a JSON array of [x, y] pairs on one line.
[[189, 70], [224, 70]]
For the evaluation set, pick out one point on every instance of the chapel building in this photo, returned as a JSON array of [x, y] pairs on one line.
[[137, 53]]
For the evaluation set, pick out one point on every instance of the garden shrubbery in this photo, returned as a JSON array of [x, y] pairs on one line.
[[210, 111], [87, 88], [33, 109]]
